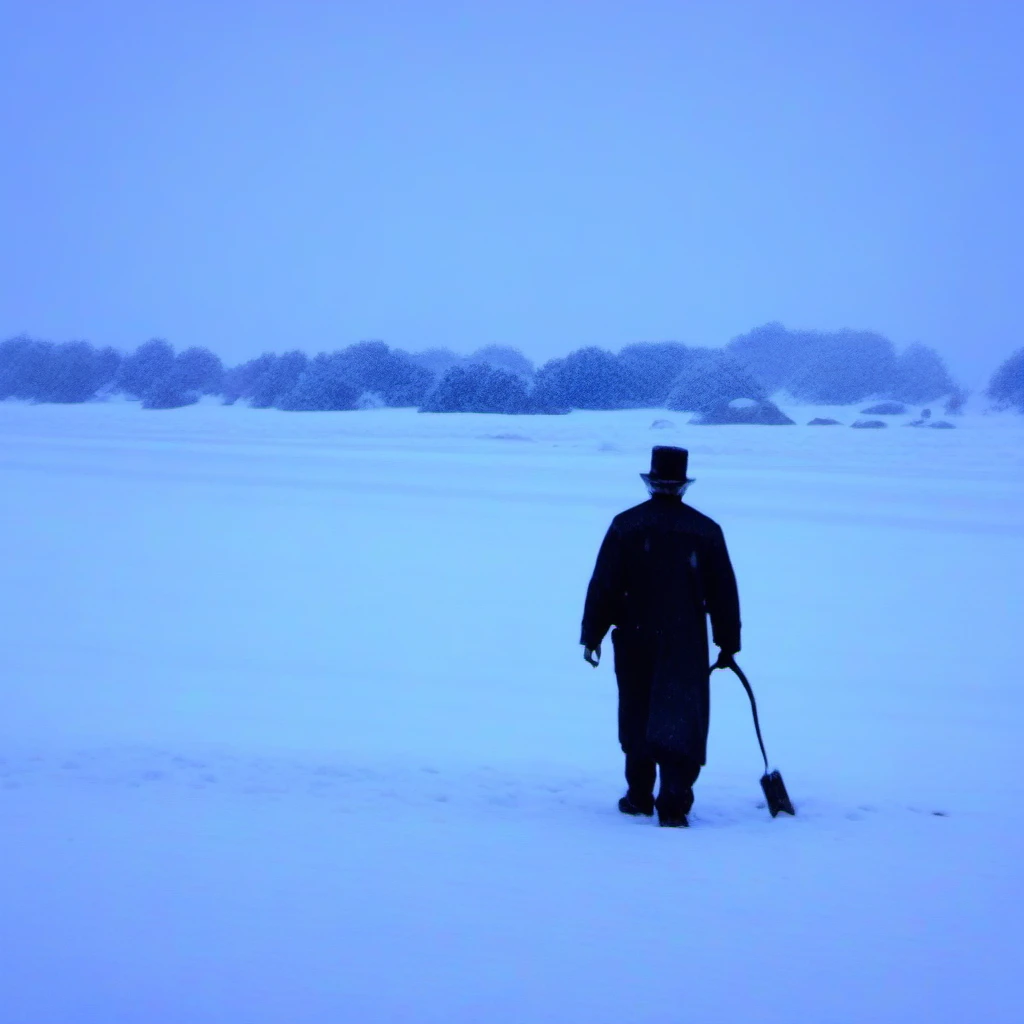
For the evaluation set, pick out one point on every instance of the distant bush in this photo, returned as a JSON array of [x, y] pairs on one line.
[[171, 392], [241, 381], [23, 367], [773, 354], [845, 367], [200, 370], [588, 378], [141, 371], [322, 387], [649, 370], [920, 375], [277, 377], [368, 367], [840, 367], [108, 365], [954, 405], [41, 371], [436, 361], [709, 379], [550, 386], [1006, 388], [504, 357], [372, 366], [78, 372], [478, 388]]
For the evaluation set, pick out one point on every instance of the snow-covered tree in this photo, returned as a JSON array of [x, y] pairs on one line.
[[75, 372], [504, 357], [322, 387], [844, 367], [436, 361], [478, 388], [24, 366], [649, 369], [148, 364], [1006, 388], [41, 371], [710, 378], [278, 376], [240, 381], [773, 354], [370, 366], [588, 378], [200, 370], [920, 375], [170, 392]]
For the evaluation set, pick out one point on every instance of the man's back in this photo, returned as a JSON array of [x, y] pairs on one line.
[[662, 564]]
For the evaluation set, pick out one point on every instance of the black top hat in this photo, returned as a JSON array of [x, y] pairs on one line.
[[668, 465]]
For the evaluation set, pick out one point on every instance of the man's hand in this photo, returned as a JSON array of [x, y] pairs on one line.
[[593, 655], [725, 660]]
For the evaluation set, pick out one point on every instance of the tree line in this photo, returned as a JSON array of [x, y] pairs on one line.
[[815, 367]]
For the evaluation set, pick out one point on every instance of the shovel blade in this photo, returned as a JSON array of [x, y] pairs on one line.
[[775, 794]]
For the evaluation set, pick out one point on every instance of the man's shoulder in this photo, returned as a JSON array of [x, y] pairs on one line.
[[679, 517], [636, 517], [632, 515], [701, 523]]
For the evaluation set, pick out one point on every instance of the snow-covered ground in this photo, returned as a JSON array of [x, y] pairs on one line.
[[294, 726]]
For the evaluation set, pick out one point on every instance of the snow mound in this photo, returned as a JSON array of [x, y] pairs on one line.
[[885, 409], [743, 410]]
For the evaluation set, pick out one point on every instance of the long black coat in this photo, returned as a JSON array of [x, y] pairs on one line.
[[662, 569]]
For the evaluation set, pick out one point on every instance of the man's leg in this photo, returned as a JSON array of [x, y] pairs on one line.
[[641, 773], [675, 796], [633, 676]]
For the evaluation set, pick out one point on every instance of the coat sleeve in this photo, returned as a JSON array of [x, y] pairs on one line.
[[721, 595], [605, 591]]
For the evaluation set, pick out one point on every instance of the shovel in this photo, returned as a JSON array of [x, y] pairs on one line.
[[771, 782]]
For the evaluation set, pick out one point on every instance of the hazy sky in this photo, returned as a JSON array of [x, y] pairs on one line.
[[264, 175]]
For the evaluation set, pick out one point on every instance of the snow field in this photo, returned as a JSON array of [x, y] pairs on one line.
[[296, 727]]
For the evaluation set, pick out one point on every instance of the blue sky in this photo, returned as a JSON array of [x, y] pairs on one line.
[[267, 175]]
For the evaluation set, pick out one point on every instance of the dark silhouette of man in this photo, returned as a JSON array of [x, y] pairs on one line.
[[663, 568]]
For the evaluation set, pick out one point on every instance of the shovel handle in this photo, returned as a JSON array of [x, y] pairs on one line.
[[753, 707]]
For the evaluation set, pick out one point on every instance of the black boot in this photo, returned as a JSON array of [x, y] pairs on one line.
[[637, 805], [675, 797], [641, 774], [673, 808], [672, 819]]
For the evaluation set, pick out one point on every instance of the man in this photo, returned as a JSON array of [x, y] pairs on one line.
[[662, 569]]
